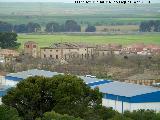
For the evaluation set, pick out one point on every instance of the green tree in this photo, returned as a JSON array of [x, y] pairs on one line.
[[5, 27], [72, 26], [55, 116], [33, 27], [52, 27], [120, 117], [65, 94], [8, 113], [8, 40], [142, 115], [90, 29], [22, 28]]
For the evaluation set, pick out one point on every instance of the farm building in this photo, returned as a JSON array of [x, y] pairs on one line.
[[120, 96]]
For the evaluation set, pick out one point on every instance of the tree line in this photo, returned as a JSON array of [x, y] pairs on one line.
[[150, 26], [68, 26], [62, 97]]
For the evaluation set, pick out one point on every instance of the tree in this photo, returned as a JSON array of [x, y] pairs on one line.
[[8, 113], [5, 27], [52, 27], [72, 26], [142, 115], [120, 117], [22, 28], [62, 93], [8, 40], [149, 26], [33, 27], [55, 116], [90, 29]]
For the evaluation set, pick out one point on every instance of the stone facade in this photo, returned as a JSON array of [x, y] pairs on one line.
[[31, 48], [67, 51]]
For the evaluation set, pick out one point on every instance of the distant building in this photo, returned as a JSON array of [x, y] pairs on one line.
[[31, 48], [143, 79], [67, 51], [7, 55], [141, 49], [108, 49]]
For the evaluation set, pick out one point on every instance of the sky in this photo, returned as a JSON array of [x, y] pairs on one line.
[[65, 1]]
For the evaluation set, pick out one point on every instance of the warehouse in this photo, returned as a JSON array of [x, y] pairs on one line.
[[123, 96], [14, 78], [120, 96]]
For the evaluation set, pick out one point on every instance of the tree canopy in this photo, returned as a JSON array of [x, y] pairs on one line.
[[22, 28], [53, 27], [33, 27], [62, 93], [8, 40], [72, 26], [55, 116], [90, 29], [8, 113], [150, 26], [5, 27]]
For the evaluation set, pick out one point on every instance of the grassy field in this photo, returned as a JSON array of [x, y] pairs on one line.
[[46, 40], [18, 13]]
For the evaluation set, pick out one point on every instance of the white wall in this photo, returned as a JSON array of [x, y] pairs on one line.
[[9, 82], [154, 106], [0, 100], [117, 105]]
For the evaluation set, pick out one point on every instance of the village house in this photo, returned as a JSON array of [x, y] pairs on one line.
[[67, 50], [31, 48], [108, 49], [7, 55], [143, 79], [141, 49]]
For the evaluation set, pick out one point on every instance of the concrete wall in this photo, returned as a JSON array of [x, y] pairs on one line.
[[117, 105]]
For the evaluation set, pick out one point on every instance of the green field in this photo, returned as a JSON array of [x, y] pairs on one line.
[[42, 13], [46, 40]]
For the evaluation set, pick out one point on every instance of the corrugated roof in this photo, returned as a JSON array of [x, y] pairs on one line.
[[125, 89], [89, 79], [33, 72], [115, 88]]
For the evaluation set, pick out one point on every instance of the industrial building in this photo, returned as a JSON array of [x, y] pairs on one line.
[[123, 96], [120, 96]]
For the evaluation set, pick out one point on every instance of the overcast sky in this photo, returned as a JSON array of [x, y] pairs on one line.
[[66, 1]]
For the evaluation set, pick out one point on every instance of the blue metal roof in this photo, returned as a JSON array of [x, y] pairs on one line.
[[94, 81], [89, 79], [25, 74], [125, 89]]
